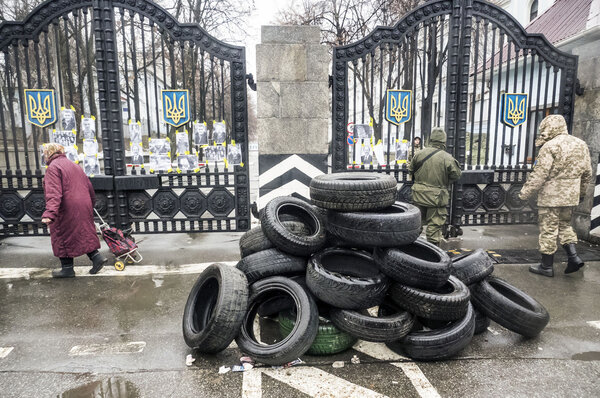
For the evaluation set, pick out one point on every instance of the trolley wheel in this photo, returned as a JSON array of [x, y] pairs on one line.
[[119, 265]]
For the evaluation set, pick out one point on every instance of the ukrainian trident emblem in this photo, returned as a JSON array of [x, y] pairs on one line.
[[40, 106], [399, 108], [515, 109], [175, 107]]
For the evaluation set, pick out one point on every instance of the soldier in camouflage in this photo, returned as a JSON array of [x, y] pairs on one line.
[[560, 175], [433, 170]]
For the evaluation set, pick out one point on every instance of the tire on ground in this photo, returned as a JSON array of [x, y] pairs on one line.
[[299, 244], [353, 191], [346, 278], [254, 240], [397, 225], [419, 264], [448, 303], [472, 267], [300, 338], [431, 345], [270, 262], [509, 306], [215, 308], [382, 329], [329, 339]]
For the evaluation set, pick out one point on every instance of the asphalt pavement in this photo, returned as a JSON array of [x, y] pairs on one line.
[[118, 334]]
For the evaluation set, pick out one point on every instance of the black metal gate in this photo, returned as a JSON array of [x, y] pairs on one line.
[[459, 58], [111, 59]]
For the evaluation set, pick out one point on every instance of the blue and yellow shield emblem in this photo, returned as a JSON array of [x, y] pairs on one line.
[[514, 109], [398, 106], [40, 106], [176, 107]]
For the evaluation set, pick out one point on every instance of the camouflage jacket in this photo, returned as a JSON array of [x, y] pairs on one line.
[[562, 169], [432, 177]]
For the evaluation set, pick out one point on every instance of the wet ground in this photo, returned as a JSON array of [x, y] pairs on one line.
[[120, 336]]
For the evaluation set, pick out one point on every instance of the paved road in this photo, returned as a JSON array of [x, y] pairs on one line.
[[123, 334]]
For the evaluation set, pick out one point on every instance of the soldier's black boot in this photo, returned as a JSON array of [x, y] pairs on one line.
[[574, 263], [66, 271], [546, 267], [98, 261]]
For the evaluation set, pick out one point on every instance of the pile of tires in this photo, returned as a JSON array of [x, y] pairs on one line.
[[350, 266]]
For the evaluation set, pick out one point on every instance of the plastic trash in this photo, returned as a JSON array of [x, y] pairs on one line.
[[338, 364], [189, 360], [224, 369], [355, 360]]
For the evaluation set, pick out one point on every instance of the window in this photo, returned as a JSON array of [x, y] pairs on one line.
[[533, 13]]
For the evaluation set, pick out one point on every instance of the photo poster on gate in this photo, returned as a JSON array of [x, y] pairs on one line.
[[68, 139], [67, 119], [187, 163], [135, 131], [219, 132], [379, 153], [91, 165], [182, 143], [200, 133], [137, 154], [214, 153], [160, 154], [234, 154], [88, 127], [363, 152], [402, 147]]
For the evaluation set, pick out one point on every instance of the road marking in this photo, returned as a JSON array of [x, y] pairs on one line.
[[252, 384], [379, 351], [133, 347], [594, 324], [318, 383], [133, 270], [4, 351]]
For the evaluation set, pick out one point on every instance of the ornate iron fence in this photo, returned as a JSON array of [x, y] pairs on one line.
[[111, 60], [459, 59]]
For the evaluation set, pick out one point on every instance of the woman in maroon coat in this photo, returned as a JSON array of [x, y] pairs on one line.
[[69, 212]]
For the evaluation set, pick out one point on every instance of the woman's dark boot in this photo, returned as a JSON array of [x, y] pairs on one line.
[[574, 263], [98, 261], [546, 267], [66, 271]]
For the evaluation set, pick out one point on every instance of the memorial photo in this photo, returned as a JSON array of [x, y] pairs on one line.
[[401, 151], [88, 128], [71, 153], [63, 137], [67, 119], [219, 133], [90, 147], [137, 157], [182, 143], [135, 132], [159, 146], [91, 165], [160, 163], [234, 154], [366, 155], [200, 134], [187, 162], [363, 131]]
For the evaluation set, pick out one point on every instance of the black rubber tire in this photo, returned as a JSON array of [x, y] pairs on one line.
[[329, 339], [353, 191], [437, 344], [369, 328], [215, 308], [254, 240], [270, 262], [448, 303], [509, 306], [273, 306], [472, 267], [419, 264], [290, 241], [482, 322], [346, 278], [397, 225], [301, 337]]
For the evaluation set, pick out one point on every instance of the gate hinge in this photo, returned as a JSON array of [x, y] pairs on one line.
[[251, 82]]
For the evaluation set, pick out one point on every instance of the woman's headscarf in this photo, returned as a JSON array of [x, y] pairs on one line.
[[51, 150]]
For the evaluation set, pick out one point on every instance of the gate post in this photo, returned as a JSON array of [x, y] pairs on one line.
[[110, 104]]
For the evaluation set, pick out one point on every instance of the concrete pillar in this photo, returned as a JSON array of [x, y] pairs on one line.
[[293, 112], [586, 125]]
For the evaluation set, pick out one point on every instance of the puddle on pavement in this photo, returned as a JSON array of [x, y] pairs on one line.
[[587, 356], [114, 387]]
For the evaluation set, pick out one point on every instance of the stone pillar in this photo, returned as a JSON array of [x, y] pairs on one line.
[[586, 125], [293, 99]]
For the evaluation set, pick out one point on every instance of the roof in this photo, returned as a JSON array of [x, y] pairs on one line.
[[564, 19]]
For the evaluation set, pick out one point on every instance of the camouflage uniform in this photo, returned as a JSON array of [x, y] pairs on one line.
[[559, 177], [431, 181]]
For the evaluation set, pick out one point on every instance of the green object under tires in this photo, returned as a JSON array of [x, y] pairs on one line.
[[329, 340]]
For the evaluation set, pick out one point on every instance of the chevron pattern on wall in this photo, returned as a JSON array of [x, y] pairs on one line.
[[284, 175]]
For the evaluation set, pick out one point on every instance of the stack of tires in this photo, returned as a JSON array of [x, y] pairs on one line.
[[350, 266]]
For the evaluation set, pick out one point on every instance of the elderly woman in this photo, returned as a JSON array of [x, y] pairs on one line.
[[69, 212]]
